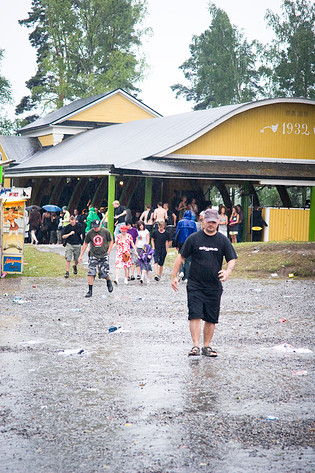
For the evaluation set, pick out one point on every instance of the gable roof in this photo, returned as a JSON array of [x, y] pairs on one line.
[[64, 113]]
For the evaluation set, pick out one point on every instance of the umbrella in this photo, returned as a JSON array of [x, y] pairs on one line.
[[52, 208], [30, 207]]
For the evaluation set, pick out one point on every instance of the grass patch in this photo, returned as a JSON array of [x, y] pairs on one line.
[[45, 264], [255, 260], [260, 260]]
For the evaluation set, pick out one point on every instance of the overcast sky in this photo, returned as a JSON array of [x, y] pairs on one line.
[[174, 22]]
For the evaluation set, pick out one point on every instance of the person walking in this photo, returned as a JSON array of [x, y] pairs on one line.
[[120, 214], [34, 222], [65, 216], [147, 217], [184, 229], [223, 220], [159, 215], [101, 243], [124, 242], [159, 241], [72, 236], [134, 259], [233, 225], [92, 215], [207, 248], [145, 258], [240, 212]]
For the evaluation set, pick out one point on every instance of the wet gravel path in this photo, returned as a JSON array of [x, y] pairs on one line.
[[133, 401]]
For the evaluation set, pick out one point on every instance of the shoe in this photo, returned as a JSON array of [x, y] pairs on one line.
[[126, 281], [75, 269], [132, 278], [141, 281], [138, 276], [67, 274], [88, 294], [195, 351], [207, 351], [156, 277], [109, 285], [116, 282], [129, 279]]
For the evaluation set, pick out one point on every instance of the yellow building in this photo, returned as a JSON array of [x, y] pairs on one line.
[[118, 139]]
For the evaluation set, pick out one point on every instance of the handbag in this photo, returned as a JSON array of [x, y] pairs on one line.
[[125, 257]]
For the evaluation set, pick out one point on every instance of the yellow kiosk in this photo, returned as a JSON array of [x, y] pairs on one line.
[[13, 218]]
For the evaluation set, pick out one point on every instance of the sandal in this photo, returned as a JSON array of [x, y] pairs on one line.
[[195, 351], [207, 351]]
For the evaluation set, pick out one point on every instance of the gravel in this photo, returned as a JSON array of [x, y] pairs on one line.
[[75, 398]]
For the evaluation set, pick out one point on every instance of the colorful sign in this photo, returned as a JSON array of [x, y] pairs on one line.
[[12, 223], [12, 264]]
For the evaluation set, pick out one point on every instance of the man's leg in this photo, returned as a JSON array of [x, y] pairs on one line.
[[90, 282], [208, 331], [195, 331]]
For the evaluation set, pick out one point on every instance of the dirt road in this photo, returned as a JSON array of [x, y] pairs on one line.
[[132, 401]]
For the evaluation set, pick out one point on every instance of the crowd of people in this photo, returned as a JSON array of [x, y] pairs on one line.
[[141, 239]]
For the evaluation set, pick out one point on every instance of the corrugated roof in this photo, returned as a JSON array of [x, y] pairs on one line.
[[76, 106], [120, 145], [129, 145], [19, 148]]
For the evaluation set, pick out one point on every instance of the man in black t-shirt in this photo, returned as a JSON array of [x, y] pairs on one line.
[[159, 241], [207, 248], [72, 240], [119, 216]]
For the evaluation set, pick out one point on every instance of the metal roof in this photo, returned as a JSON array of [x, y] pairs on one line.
[[19, 148], [77, 106], [138, 146]]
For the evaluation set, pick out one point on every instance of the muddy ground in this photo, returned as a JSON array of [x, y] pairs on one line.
[[132, 401]]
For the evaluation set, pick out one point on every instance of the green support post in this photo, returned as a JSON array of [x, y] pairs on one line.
[[245, 205], [110, 199], [311, 234], [148, 191]]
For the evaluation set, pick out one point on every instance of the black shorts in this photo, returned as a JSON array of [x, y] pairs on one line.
[[159, 257], [204, 305]]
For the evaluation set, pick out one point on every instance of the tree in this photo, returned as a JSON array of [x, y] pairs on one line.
[[5, 99], [84, 47], [221, 69], [290, 60]]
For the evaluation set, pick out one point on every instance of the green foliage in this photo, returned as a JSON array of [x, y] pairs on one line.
[[84, 47], [290, 60], [6, 124], [221, 69]]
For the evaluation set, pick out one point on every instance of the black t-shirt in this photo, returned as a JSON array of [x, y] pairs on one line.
[[207, 253], [99, 241], [75, 239], [117, 211], [160, 240]]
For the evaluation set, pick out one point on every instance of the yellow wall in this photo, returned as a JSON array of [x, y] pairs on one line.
[[115, 109], [46, 140], [246, 135], [289, 224]]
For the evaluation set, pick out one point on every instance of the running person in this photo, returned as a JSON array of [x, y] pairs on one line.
[[101, 243], [204, 288]]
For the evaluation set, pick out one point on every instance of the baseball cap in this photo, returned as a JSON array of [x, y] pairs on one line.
[[95, 223], [211, 215]]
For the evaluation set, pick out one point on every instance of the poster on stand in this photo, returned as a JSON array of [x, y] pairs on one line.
[[12, 223]]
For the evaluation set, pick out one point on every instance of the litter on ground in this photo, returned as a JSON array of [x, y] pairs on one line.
[[286, 348]]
